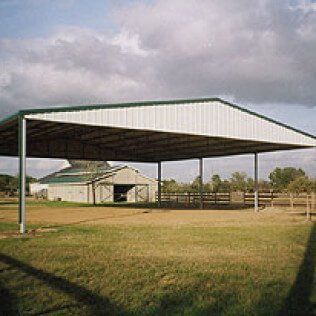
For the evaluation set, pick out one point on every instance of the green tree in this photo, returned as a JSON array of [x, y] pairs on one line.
[[238, 181], [28, 180], [216, 183], [301, 185], [195, 185], [13, 184], [170, 185], [264, 185], [225, 186], [5, 180], [314, 186], [281, 177], [250, 184]]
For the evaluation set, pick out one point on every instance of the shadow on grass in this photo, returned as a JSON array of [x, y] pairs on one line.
[[298, 300], [96, 305], [8, 304], [173, 206]]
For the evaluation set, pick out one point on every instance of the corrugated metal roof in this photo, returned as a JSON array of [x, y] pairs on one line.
[[213, 118], [150, 131]]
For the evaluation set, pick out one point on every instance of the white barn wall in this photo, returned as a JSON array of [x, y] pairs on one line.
[[68, 192], [37, 187]]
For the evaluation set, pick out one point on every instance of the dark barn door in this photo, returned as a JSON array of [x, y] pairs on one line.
[[120, 192]]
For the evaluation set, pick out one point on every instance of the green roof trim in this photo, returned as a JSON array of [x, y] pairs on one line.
[[10, 118], [151, 103]]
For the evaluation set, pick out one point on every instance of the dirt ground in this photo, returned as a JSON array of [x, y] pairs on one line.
[[152, 217]]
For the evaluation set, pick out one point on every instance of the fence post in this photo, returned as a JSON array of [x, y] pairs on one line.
[[313, 201], [159, 183], [272, 202], [291, 201], [201, 182], [256, 184], [308, 210]]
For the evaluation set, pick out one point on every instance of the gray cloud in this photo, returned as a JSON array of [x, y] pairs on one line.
[[258, 53], [253, 53]]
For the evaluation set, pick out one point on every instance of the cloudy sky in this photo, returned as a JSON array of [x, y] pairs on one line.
[[66, 52]]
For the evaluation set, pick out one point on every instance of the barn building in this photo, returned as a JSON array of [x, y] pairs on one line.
[[96, 182]]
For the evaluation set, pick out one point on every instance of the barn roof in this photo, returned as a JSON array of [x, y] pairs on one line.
[[73, 174], [149, 131]]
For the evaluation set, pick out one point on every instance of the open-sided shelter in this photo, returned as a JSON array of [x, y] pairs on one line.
[[145, 132]]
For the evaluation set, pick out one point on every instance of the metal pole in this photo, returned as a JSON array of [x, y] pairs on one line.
[[22, 172], [256, 186], [159, 183], [201, 182]]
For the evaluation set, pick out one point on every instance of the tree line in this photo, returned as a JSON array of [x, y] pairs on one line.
[[286, 179], [10, 184]]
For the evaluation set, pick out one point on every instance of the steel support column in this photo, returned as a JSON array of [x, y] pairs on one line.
[[159, 183], [22, 173], [256, 186], [201, 182]]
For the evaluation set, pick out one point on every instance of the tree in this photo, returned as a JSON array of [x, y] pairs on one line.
[[301, 185], [10, 184], [281, 177], [13, 184], [195, 185], [29, 180], [264, 185], [225, 186], [170, 186], [238, 181], [216, 183], [250, 184]]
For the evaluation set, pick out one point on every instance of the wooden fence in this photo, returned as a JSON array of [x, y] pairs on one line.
[[246, 199], [190, 198]]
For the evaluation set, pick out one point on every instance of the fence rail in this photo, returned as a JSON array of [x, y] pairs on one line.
[[194, 198], [247, 199]]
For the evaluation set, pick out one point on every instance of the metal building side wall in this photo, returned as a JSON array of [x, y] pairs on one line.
[[212, 118]]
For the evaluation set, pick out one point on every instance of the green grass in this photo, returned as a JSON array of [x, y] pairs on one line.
[[43, 203], [97, 270]]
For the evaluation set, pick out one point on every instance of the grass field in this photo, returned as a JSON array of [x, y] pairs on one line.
[[134, 261]]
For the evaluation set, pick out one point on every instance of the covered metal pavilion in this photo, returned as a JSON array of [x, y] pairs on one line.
[[144, 132]]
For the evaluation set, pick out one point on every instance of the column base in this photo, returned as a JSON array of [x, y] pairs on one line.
[[22, 229]]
